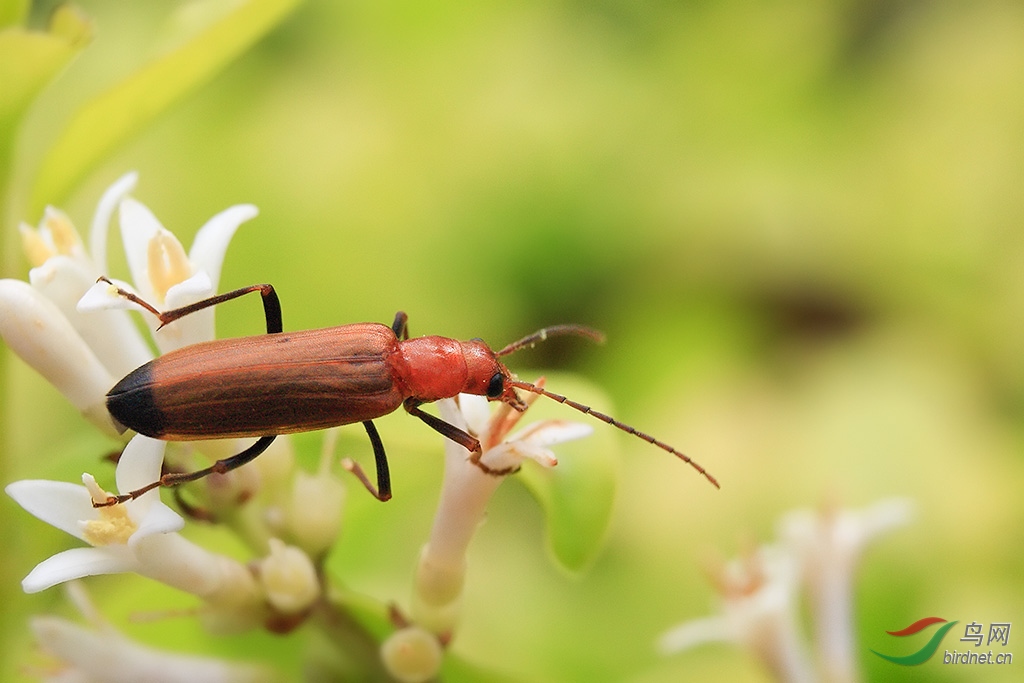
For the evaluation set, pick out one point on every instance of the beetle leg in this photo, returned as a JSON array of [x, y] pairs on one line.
[[467, 441], [175, 478], [271, 305], [470, 443], [401, 326], [505, 471], [382, 491]]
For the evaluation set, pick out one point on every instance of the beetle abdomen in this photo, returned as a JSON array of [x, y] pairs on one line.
[[256, 386]]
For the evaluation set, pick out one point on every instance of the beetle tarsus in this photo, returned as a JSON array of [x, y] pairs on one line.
[[353, 467], [503, 472], [131, 296]]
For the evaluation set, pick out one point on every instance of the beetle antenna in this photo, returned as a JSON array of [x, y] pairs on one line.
[[553, 331], [526, 386]]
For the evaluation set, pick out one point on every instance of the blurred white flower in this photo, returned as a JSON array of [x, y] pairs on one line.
[[828, 545], [758, 610], [100, 654], [466, 491], [760, 593]]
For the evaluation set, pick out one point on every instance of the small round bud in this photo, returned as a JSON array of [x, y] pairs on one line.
[[412, 655], [288, 578]]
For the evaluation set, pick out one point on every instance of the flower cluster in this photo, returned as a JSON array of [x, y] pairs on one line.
[[77, 333], [759, 593], [100, 653]]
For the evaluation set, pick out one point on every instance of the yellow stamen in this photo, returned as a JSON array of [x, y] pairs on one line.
[[168, 263], [62, 231], [114, 526], [36, 249]]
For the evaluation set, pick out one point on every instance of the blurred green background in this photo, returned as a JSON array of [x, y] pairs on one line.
[[800, 224]]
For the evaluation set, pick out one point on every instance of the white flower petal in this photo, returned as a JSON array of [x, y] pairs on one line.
[[58, 503], [178, 562], [476, 411], [159, 519], [696, 632], [507, 456], [77, 563], [106, 655], [451, 413], [138, 227], [551, 432], [111, 335], [140, 465], [211, 242], [195, 327], [39, 333], [101, 219], [189, 291], [102, 296], [884, 515]]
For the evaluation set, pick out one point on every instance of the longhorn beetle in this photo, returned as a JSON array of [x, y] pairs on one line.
[[285, 382]]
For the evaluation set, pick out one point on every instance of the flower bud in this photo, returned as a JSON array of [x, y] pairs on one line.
[[412, 655], [314, 513], [288, 578]]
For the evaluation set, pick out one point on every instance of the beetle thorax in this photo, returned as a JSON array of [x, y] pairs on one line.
[[431, 368]]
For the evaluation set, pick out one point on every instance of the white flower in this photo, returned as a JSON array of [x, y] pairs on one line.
[[137, 536], [760, 591], [466, 491], [828, 545], [84, 353], [101, 654], [163, 274], [43, 337], [758, 609]]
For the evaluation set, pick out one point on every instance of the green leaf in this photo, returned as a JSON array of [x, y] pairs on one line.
[[576, 495], [29, 60], [13, 12], [115, 115]]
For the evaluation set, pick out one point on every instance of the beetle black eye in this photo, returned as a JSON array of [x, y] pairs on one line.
[[496, 387]]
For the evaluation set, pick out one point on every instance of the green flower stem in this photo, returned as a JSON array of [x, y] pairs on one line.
[[355, 642]]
